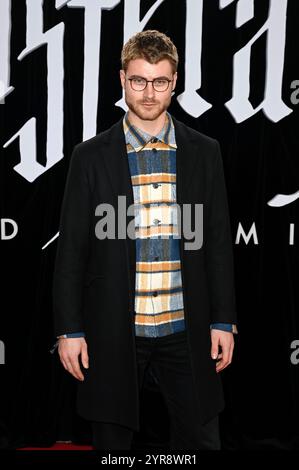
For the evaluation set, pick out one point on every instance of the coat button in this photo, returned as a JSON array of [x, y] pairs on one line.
[[155, 294]]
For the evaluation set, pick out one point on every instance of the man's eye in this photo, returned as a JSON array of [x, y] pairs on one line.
[[138, 81], [160, 82]]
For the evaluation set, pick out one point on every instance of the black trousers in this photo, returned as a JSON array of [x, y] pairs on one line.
[[170, 362]]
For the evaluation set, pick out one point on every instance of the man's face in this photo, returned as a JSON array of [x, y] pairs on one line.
[[148, 104]]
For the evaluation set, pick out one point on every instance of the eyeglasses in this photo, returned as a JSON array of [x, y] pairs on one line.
[[140, 83]]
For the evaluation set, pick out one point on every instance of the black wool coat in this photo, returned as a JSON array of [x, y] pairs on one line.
[[94, 280]]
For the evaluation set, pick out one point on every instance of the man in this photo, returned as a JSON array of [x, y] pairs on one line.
[[123, 304]]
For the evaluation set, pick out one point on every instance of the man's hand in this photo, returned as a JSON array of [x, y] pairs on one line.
[[225, 339], [69, 350]]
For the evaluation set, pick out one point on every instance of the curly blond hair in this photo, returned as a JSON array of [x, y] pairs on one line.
[[151, 45]]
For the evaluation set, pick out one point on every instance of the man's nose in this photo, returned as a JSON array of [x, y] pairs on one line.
[[149, 91]]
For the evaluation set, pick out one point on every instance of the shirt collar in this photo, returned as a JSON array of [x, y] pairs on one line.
[[137, 138]]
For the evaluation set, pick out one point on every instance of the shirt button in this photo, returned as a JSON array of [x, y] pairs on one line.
[[156, 221], [156, 185], [154, 150], [154, 140], [155, 294]]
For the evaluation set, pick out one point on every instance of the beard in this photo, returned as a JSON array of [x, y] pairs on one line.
[[147, 114]]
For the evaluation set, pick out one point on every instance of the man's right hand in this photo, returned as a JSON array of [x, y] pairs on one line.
[[69, 350]]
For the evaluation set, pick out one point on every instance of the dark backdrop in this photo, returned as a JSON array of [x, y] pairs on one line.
[[260, 160]]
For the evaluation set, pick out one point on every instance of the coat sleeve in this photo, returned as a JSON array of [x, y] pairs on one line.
[[72, 249], [219, 252]]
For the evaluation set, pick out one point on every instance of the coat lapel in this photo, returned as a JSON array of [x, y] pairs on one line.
[[117, 167], [185, 161], [116, 162]]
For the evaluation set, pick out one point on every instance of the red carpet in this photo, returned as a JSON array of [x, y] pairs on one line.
[[60, 446]]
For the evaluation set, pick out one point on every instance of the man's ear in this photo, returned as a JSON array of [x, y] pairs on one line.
[[122, 77], [175, 76]]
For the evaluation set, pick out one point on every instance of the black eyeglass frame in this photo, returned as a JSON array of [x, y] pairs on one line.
[[150, 81]]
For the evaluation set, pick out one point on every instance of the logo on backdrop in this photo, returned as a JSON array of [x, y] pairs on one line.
[[190, 100]]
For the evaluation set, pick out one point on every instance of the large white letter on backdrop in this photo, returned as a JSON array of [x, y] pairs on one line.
[[5, 31], [189, 100], [275, 27], [29, 167], [92, 46]]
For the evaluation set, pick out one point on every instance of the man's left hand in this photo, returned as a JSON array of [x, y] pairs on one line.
[[225, 339]]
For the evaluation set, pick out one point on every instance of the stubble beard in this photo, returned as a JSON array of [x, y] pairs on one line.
[[150, 114]]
